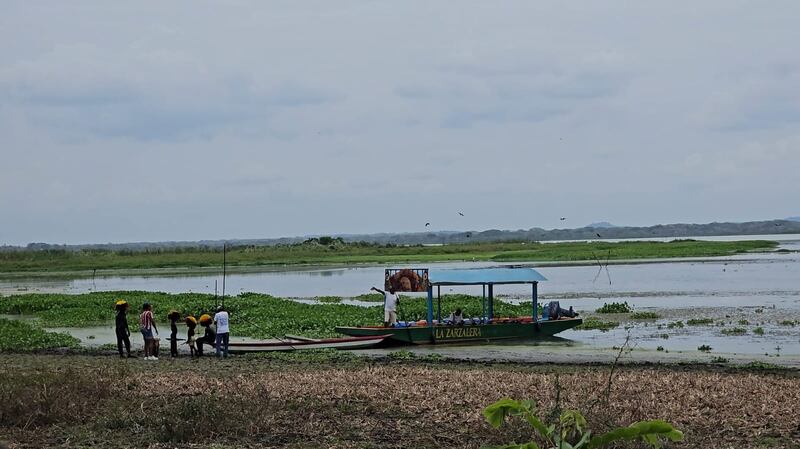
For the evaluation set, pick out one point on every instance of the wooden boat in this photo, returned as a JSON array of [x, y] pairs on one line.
[[487, 327], [298, 343], [518, 328]]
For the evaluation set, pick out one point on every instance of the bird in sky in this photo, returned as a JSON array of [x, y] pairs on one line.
[[468, 236], [427, 224], [563, 218], [461, 214], [598, 235]]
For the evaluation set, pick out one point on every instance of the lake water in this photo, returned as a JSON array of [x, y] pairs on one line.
[[762, 289]]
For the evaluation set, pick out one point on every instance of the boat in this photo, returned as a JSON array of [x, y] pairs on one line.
[[485, 328], [300, 343]]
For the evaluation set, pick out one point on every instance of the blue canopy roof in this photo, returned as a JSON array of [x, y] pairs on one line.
[[478, 276]]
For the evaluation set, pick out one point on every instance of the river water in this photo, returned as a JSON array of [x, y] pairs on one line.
[[761, 289]]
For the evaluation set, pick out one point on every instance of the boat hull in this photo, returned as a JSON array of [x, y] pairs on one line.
[[454, 334]]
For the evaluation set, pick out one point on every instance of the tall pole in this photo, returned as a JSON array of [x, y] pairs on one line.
[[224, 268]]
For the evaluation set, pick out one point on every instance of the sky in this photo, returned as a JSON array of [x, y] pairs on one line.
[[152, 121]]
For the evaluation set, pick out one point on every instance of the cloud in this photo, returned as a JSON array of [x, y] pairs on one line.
[[83, 90]]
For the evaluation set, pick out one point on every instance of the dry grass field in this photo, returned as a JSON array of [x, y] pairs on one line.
[[74, 401]]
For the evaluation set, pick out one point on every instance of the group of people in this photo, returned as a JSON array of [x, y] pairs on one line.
[[216, 333]]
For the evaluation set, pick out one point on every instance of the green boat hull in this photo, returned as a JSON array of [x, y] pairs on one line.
[[454, 334]]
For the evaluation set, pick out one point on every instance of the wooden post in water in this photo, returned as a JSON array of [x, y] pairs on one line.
[[535, 301]]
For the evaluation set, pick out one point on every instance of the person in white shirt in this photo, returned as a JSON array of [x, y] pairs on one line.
[[390, 301], [223, 331]]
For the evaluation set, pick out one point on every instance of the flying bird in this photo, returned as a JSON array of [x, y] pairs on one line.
[[468, 236], [598, 235], [460, 214], [427, 224], [563, 218]]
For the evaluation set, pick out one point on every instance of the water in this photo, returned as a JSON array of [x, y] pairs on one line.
[[763, 289]]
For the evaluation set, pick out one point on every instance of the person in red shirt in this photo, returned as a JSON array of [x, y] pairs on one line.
[[147, 325]]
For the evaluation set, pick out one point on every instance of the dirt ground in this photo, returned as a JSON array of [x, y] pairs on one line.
[[77, 401]]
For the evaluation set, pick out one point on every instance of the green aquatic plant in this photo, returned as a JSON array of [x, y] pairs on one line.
[[675, 324], [788, 323], [734, 331], [615, 307], [644, 316], [329, 299], [16, 335], [744, 323], [699, 321], [719, 359], [758, 331], [593, 323], [704, 348], [571, 430]]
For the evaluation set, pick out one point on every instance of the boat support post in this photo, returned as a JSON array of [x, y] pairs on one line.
[[535, 301], [430, 307], [491, 301]]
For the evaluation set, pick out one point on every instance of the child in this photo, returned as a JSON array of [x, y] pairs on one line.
[[191, 323], [123, 332], [147, 325], [173, 336]]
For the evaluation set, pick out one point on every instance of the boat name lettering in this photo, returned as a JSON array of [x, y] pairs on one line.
[[457, 332]]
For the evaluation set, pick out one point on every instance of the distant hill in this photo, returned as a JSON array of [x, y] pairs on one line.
[[603, 229], [602, 224]]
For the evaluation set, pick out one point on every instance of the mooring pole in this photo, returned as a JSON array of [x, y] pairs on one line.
[[224, 271]]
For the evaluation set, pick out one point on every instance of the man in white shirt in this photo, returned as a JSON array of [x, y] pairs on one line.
[[221, 320], [390, 301]]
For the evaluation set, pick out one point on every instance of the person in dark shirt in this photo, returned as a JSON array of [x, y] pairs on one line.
[[122, 330], [173, 316]]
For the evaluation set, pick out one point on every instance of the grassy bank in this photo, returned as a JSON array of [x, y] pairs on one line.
[[78, 401], [337, 252]]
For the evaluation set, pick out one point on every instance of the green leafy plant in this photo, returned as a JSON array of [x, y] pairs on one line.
[[615, 307], [758, 331], [596, 323], [699, 321], [788, 323], [571, 430], [704, 348], [644, 316], [743, 322], [734, 331]]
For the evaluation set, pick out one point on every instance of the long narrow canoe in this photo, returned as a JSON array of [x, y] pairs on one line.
[[517, 328], [360, 342]]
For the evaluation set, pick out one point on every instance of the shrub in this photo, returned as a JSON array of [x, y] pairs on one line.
[[571, 429], [734, 331]]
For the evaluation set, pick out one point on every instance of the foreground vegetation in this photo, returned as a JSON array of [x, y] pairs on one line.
[[80, 401], [335, 251]]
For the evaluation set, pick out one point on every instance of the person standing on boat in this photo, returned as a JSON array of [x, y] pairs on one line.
[[390, 301], [223, 334]]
